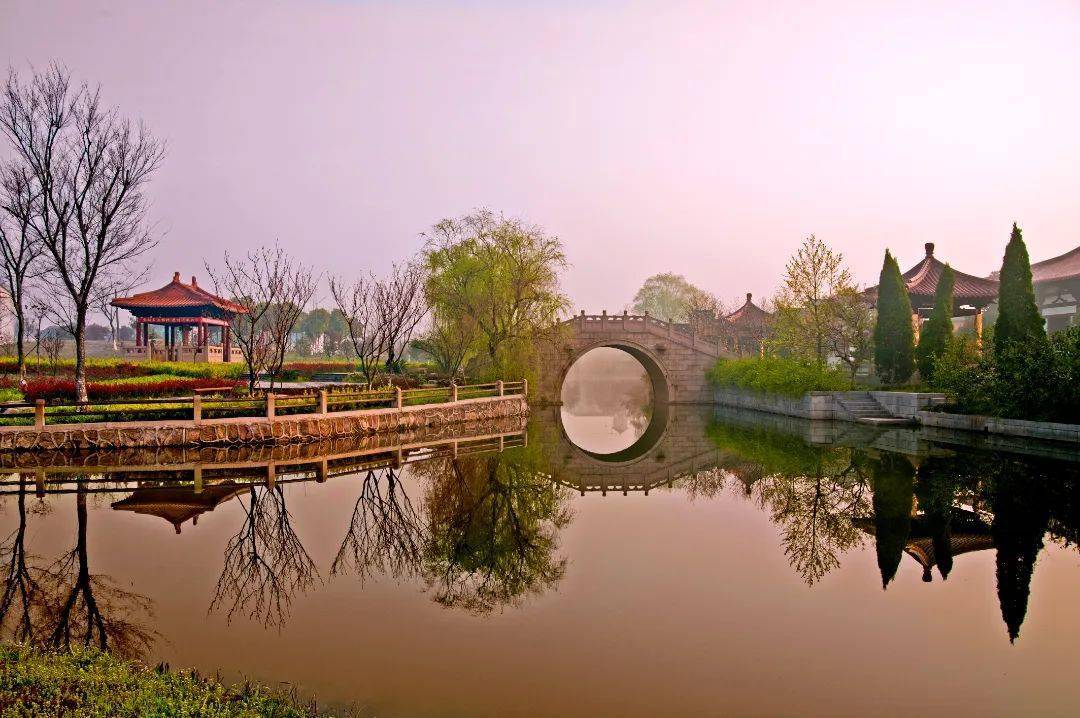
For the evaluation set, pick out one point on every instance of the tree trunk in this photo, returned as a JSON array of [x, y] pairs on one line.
[[80, 357], [20, 339]]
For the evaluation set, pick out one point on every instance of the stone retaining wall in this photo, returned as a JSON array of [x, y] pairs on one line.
[[256, 431], [818, 405], [1007, 427]]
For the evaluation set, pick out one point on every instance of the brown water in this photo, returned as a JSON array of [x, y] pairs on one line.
[[733, 567]]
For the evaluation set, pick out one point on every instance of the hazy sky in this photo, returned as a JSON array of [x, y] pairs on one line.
[[702, 138]]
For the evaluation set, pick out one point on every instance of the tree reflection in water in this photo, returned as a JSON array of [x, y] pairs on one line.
[[64, 604], [385, 534], [493, 529], [813, 493], [265, 562], [928, 507]]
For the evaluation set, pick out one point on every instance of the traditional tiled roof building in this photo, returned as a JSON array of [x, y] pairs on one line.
[[196, 323], [1057, 289]]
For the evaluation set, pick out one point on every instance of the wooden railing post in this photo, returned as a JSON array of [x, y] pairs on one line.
[[499, 387], [322, 401], [39, 414], [525, 387], [271, 406], [453, 391], [196, 409], [398, 402]]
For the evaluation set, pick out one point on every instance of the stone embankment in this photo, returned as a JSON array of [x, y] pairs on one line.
[[300, 428]]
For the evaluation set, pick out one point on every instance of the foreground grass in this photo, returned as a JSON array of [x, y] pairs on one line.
[[88, 683]]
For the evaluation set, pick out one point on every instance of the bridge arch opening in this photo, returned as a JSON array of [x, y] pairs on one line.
[[614, 400]]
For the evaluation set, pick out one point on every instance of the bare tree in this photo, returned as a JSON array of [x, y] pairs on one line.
[[119, 287], [20, 247], [273, 289], [90, 168], [359, 306], [401, 304]]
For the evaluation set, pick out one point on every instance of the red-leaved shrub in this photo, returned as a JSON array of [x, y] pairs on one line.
[[56, 388]]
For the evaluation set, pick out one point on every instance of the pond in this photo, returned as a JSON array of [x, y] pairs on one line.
[[733, 563]]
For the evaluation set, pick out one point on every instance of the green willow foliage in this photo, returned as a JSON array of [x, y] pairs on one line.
[[1019, 321], [778, 375], [894, 337], [938, 328]]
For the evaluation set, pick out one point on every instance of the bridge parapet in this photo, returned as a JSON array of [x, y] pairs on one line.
[[645, 324]]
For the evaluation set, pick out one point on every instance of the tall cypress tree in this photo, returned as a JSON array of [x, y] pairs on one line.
[[938, 328], [1019, 321], [894, 337]]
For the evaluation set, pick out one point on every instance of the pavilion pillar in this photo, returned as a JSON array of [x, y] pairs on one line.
[[979, 328], [916, 326], [226, 343]]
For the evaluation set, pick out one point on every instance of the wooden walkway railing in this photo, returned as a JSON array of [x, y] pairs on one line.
[[202, 409]]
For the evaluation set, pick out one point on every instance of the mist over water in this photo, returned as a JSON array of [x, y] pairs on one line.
[[607, 401]]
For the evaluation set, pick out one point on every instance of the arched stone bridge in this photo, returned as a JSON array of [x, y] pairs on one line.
[[675, 359]]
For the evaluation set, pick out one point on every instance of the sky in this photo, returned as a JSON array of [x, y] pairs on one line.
[[707, 139]]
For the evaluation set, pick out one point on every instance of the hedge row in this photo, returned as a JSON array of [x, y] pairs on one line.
[[56, 388], [778, 375]]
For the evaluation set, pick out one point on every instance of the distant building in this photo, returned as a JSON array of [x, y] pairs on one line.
[[1057, 289]]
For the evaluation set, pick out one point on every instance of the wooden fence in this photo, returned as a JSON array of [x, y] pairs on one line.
[[200, 408]]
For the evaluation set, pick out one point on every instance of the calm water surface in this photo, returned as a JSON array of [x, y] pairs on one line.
[[730, 564]]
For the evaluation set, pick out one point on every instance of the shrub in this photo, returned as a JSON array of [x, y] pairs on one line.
[[55, 388], [778, 375], [1038, 380]]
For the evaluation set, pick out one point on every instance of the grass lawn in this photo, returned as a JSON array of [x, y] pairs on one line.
[[88, 683]]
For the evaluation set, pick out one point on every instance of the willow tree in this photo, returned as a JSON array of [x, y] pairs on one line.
[[894, 335], [938, 330], [501, 272], [1019, 321]]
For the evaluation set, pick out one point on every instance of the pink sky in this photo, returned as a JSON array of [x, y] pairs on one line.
[[702, 138]]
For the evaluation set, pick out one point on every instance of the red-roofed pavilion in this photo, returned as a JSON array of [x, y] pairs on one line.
[[971, 294], [749, 327], [196, 323]]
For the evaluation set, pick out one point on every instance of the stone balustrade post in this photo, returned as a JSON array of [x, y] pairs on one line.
[[196, 409], [398, 401], [271, 406], [322, 401], [524, 387], [453, 391], [39, 414], [499, 387]]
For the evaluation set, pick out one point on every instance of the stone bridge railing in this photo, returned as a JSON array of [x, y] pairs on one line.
[[645, 324]]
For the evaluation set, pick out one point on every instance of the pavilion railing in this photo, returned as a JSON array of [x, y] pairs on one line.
[[199, 408]]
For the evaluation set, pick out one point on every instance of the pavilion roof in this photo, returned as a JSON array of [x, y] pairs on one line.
[[922, 281], [749, 314], [177, 295], [1063, 266], [177, 504]]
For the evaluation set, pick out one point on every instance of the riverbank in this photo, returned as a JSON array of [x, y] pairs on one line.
[[921, 408], [247, 431], [89, 683]]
